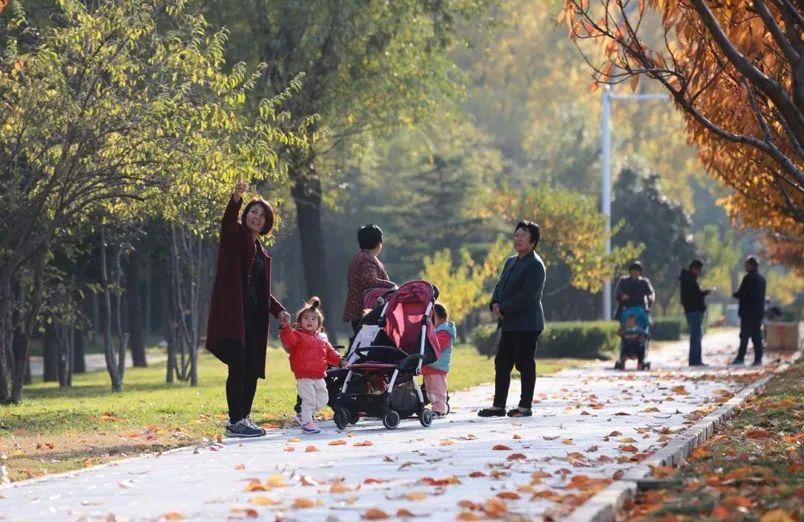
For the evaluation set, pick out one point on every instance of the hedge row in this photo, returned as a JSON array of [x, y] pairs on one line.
[[586, 340]]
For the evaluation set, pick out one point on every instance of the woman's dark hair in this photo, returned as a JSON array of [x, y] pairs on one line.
[[441, 311], [312, 305], [753, 261], [696, 263], [269, 214], [636, 265], [533, 230], [369, 236]]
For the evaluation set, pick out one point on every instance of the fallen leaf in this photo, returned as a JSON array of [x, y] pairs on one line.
[[679, 390], [758, 434], [171, 515], [337, 442], [517, 456], [777, 515], [374, 481], [255, 485], [415, 496], [477, 474], [468, 504], [374, 514], [446, 442], [627, 440], [508, 495], [614, 434], [294, 439], [307, 480], [652, 409], [629, 448], [501, 447], [467, 515], [495, 508], [240, 466], [243, 512], [364, 443], [404, 513], [517, 437], [339, 487], [303, 503], [262, 500], [662, 471], [720, 513], [276, 481], [441, 482]]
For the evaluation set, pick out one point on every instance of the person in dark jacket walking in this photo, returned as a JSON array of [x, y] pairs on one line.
[[517, 306], [237, 328], [692, 300], [751, 295]]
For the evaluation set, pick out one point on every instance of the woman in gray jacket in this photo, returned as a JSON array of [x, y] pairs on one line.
[[517, 306]]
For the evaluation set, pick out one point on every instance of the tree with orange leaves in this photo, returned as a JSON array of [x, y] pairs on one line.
[[736, 69]]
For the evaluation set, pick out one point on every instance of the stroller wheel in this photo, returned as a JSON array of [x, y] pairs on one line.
[[390, 419], [426, 417], [353, 417], [619, 365], [341, 417], [448, 408]]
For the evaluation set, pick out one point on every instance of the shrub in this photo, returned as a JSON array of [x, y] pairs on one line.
[[588, 340], [667, 328]]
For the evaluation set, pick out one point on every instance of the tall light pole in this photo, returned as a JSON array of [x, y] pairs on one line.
[[605, 160]]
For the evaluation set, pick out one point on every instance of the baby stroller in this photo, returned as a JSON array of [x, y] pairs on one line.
[[634, 330], [388, 351]]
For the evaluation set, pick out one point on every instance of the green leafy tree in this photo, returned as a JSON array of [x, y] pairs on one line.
[[650, 218], [369, 67], [120, 111]]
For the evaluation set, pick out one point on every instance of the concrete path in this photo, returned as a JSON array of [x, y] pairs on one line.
[[589, 425]]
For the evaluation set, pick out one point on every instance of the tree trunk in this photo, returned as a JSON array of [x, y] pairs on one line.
[[65, 335], [108, 348], [6, 338], [22, 341], [306, 192], [134, 305], [50, 354], [79, 346], [146, 313]]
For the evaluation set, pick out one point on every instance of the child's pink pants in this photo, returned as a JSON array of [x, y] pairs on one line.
[[436, 385]]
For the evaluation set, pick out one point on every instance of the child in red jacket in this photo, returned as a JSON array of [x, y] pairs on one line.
[[310, 354]]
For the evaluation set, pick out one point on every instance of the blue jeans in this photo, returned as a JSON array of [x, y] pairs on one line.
[[695, 323]]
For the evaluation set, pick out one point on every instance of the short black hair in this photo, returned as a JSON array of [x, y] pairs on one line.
[[533, 230], [441, 310], [269, 214], [369, 236], [636, 265], [753, 261], [696, 263]]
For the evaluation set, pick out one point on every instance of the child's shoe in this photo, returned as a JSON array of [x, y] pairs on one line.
[[311, 428]]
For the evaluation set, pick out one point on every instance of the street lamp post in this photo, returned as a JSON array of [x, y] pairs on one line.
[[605, 159]]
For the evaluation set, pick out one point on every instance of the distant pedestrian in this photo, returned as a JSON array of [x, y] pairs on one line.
[[751, 295], [692, 300]]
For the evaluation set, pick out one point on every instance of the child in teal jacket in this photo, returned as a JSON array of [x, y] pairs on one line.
[[435, 374]]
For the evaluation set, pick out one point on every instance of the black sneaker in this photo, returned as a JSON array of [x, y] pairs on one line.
[[739, 361], [254, 425], [756, 363], [243, 430], [491, 412]]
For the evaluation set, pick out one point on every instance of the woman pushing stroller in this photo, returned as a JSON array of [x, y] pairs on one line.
[[635, 296]]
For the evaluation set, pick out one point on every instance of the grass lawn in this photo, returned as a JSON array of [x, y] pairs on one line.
[[751, 470], [56, 430]]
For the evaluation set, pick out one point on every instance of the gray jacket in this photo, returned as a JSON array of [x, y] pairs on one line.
[[519, 294]]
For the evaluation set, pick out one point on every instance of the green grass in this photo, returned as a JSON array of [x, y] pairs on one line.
[[61, 429]]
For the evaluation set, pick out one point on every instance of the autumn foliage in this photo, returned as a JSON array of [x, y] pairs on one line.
[[736, 69]]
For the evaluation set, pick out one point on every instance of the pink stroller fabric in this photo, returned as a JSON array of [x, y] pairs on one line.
[[404, 312]]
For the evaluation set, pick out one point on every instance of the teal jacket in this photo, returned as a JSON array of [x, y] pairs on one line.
[[442, 364], [519, 294]]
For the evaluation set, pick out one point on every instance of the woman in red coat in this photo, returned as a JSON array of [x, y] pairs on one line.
[[237, 328]]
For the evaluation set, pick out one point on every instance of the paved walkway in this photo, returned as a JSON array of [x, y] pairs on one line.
[[589, 425]]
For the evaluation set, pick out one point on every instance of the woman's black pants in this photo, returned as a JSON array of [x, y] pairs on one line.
[[241, 384], [517, 349]]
